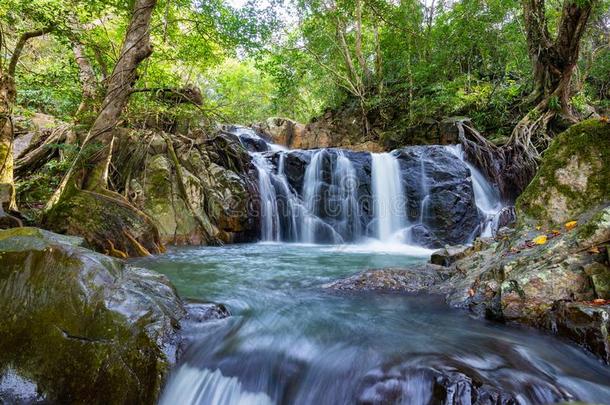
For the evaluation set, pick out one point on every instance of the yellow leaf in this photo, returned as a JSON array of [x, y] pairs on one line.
[[540, 240], [571, 225], [538, 227]]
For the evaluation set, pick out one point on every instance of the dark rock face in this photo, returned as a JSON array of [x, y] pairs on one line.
[[437, 185], [586, 324], [449, 255], [435, 379], [449, 214], [80, 326]]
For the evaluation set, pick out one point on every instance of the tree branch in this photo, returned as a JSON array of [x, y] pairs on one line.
[[23, 39]]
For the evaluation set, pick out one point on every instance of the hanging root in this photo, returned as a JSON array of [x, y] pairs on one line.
[[522, 152]]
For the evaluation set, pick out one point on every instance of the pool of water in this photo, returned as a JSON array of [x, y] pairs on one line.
[[290, 341]]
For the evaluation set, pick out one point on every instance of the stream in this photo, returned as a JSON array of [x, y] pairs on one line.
[[290, 341]]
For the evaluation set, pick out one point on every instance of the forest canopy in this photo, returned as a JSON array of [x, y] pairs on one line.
[[299, 58]]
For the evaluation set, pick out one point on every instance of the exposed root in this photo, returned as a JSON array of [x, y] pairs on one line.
[[210, 232]]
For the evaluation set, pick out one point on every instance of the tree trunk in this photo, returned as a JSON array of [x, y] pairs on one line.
[[89, 83], [553, 61], [90, 168], [8, 95], [85, 186], [7, 186]]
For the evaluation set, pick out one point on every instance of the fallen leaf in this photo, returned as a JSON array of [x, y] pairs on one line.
[[538, 227], [600, 301], [594, 250], [540, 240], [556, 232], [571, 225], [471, 292]]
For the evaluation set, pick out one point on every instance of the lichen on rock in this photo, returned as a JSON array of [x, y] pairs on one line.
[[573, 178]]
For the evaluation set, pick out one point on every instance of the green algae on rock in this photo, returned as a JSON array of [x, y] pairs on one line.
[[573, 178], [84, 327]]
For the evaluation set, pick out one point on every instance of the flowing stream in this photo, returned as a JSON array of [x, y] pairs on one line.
[[290, 341]]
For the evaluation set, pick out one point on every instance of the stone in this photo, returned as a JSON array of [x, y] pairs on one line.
[[600, 277], [574, 176], [80, 326], [449, 255], [412, 280], [585, 324]]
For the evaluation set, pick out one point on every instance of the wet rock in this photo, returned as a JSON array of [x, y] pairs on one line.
[[412, 280], [449, 255], [449, 212], [586, 324], [446, 380], [80, 326]]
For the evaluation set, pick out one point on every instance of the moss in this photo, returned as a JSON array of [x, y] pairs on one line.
[[59, 329], [556, 194]]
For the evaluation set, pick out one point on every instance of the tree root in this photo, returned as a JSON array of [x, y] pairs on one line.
[[210, 232]]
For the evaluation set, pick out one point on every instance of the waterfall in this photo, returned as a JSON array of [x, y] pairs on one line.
[[425, 188], [388, 195], [193, 386], [335, 196], [270, 229], [486, 196], [345, 187]]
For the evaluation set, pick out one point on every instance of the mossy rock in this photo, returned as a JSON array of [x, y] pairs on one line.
[[107, 223], [574, 176], [85, 328]]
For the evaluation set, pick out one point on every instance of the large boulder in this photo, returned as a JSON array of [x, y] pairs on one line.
[[436, 177], [80, 327], [219, 188], [574, 176]]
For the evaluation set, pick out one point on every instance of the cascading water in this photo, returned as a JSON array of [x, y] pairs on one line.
[[344, 191], [328, 204], [311, 197], [270, 229], [388, 196], [486, 196]]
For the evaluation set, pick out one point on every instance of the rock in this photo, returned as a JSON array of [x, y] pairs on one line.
[[600, 278], [412, 280], [450, 212], [107, 222], [436, 379], [449, 255], [585, 324], [80, 326], [448, 129], [220, 187], [574, 176]]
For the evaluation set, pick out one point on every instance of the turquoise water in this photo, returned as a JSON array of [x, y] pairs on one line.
[[289, 341]]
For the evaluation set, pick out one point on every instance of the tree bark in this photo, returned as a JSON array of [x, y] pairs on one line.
[[554, 60], [366, 72], [8, 95], [90, 169], [89, 83]]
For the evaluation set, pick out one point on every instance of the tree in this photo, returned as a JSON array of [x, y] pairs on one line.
[[554, 60], [86, 183], [8, 95]]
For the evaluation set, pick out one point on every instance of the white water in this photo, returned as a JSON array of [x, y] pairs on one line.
[[193, 386], [486, 196], [311, 187], [270, 221], [388, 196]]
